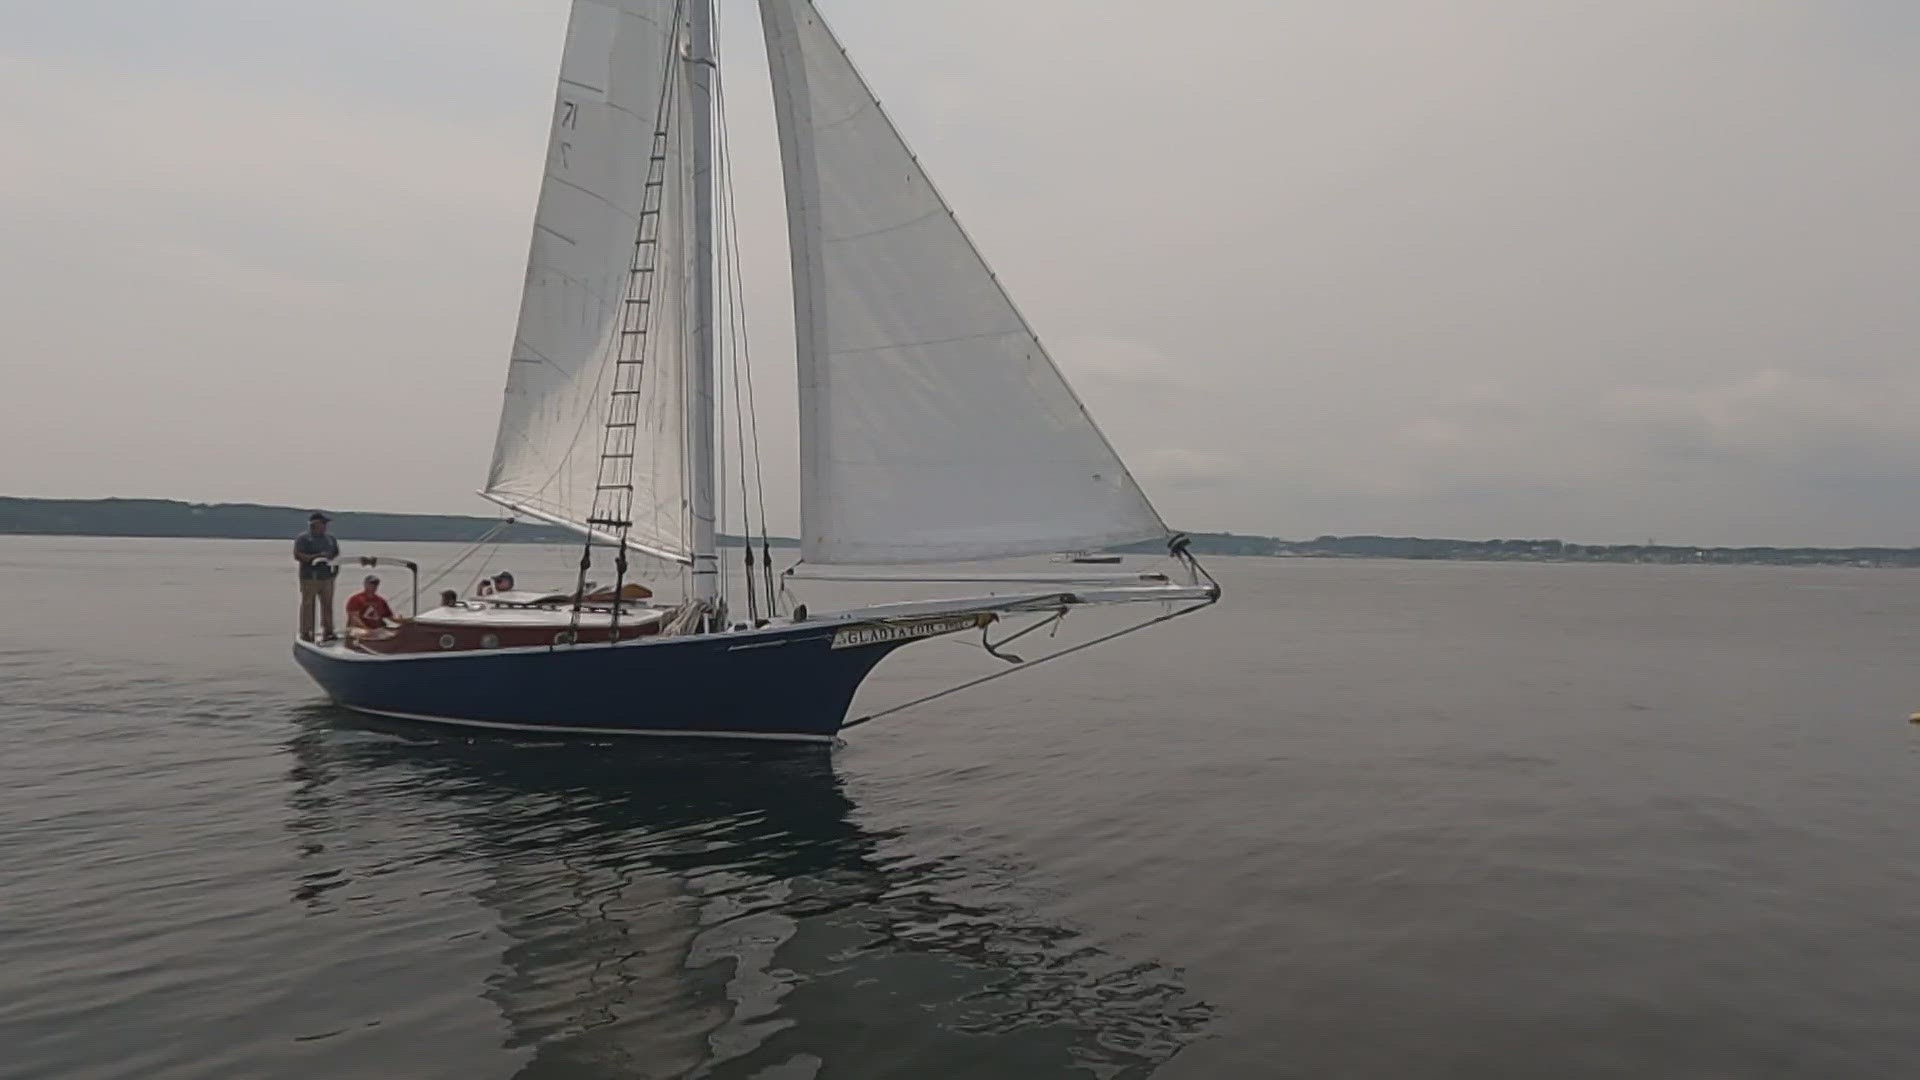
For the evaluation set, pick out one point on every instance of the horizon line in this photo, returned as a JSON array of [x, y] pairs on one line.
[[1651, 544]]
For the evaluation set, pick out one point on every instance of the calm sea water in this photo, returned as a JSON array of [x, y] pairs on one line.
[[1365, 819]]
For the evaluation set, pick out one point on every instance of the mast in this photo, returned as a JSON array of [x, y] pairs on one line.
[[700, 406]]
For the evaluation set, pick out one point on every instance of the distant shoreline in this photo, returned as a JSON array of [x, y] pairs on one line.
[[1560, 551], [175, 520], [172, 519]]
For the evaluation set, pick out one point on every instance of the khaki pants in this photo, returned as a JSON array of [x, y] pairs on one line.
[[312, 589]]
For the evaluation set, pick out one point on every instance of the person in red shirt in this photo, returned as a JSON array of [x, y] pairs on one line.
[[367, 610]]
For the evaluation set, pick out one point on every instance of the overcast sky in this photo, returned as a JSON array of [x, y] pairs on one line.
[[1606, 270]]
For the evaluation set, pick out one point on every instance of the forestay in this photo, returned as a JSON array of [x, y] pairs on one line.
[[547, 457], [934, 426]]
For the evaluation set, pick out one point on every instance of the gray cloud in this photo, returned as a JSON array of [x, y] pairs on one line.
[[1565, 268]]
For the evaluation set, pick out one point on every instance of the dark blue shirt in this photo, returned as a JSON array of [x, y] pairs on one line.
[[325, 547]]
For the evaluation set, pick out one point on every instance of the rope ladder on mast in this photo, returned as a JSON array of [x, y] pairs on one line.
[[613, 497]]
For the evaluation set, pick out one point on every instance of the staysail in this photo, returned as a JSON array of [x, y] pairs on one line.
[[619, 62], [933, 425]]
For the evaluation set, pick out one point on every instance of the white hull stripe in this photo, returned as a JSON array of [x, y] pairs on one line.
[[554, 729]]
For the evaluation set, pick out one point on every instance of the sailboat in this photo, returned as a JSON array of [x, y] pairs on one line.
[[934, 428]]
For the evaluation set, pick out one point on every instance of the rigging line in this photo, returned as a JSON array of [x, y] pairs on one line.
[[720, 466], [722, 318], [715, 270], [741, 346], [690, 333], [746, 353], [993, 647], [615, 341], [586, 415], [733, 297], [645, 260], [685, 333], [984, 679], [485, 565], [443, 572], [729, 273], [459, 560], [648, 346]]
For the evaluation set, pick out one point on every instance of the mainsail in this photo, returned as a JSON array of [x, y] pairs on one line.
[[620, 62], [933, 425]]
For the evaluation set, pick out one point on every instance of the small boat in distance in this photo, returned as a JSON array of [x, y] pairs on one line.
[[1094, 558], [934, 427]]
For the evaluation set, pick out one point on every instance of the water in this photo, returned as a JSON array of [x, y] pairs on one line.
[[1365, 819]]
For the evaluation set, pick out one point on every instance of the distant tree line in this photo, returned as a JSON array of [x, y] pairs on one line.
[[1417, 547], [250, 521]]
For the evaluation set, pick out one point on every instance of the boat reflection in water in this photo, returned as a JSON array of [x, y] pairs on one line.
[[718, 913]]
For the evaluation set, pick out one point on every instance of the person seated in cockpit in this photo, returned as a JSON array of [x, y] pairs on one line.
[[368, 612]]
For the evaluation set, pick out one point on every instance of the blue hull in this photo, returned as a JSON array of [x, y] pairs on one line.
[[785, 684]]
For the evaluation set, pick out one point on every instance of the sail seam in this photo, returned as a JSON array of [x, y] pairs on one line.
[[592, 194], [617, 9], [929, 341], [884, 229]]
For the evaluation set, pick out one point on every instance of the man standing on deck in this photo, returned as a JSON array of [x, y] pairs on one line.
[[316, 552]]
